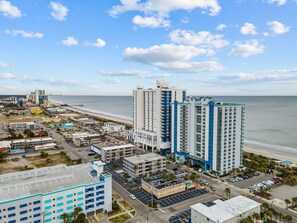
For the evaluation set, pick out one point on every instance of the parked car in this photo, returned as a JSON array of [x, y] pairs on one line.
[[132, 196]]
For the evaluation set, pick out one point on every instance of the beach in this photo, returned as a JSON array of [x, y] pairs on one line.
[[271, 153], [122, 120]]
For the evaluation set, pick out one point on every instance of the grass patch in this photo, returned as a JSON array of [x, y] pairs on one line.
[[133, 213], [115, 210], [50, 160], [14, 169], [120, 219], [15, 159], [126, 205], [116, 196]]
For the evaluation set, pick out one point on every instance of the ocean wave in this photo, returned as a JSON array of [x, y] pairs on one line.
[[272, 147]]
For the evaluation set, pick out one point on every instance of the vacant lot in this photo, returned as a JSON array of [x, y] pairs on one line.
[[12, 165], [284, 192]]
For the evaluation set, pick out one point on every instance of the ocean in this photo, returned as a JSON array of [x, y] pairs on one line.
[[271, 121]]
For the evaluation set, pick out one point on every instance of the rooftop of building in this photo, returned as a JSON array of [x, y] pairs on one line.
[[144, 158], [222, 211], [20, 121], [44, 180], [206, 100], [31, 140], [157, 181], [107, 146]]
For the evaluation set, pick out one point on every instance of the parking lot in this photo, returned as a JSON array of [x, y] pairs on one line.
[[284, 192], [254, 180], [145, 197], [182, 217]]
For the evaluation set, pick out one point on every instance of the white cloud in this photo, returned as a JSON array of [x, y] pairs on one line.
[[3, 64], [173, 58], [132, 73], [112, 80], [9, 10], [278, 2], [265, 34], [203, 38], [221, 27], [278, 28], [24, 34], [164, 7], [69, 41], [164, 53], [59, 11], [191, 67], [26, 79], [249, 48], [7, 76], [246, 78], [99, 43], [248, 29], [185, 20], [150, 21]]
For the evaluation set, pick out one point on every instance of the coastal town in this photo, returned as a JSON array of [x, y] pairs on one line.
[[181, 159]]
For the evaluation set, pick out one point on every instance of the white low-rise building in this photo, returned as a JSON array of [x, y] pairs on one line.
[[111, 153], [113, 127], [145, 164], [229, 211], [20, 126]]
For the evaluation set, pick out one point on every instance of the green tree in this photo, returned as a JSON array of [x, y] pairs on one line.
[[2, 156], [227, 192], [43, 154], [76, 212], [65, 218], [288, 218], [288, 202]]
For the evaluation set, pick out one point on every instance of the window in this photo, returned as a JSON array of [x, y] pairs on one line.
[[24, 219], [36, 215], [69, 195], [60, 198], [24, 212], [36, 202], [36, 209], [23, 205], [11, 215], [11, 208]]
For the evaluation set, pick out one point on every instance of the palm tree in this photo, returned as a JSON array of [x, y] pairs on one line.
[[289, 218], [76, 212], [294, 200], [227, 192], [281, 216], [257, 216], [287, 201], [65, 217]]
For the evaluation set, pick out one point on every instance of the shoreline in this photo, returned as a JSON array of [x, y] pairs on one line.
[[95, 114], [267, 151]]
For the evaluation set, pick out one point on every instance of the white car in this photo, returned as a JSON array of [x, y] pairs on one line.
[[132, 196]]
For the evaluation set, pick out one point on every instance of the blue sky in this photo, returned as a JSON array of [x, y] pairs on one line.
[[107, 47]]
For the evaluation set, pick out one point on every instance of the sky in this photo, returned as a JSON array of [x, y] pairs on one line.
[[108, 47]]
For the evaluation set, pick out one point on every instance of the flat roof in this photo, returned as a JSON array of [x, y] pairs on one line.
[[144, 158], [222, 211], [31, 140], [105, 147], [4, 144], [44, 180]]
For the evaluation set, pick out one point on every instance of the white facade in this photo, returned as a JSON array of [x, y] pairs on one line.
[[152, 115], [38, 94], [230, 211], [209, 133], [44, 194], [144, 164], [20, 126], [113, 127], [111, 153]]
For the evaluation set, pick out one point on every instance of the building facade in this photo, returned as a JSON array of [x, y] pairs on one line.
[[111, 153], [20, 126], [208, 133], [143, 165], [52, 191], [152, 115]]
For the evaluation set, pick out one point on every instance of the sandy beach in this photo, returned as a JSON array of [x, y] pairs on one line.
[[97, 115], [271, 153]]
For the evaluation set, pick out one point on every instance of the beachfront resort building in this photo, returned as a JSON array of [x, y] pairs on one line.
[[111, 153], [152, 115], [44, 194], [229, 211], [208, 133], [145, 164]]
